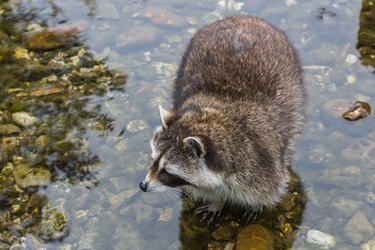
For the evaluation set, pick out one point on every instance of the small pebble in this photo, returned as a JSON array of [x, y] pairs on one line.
[[323, 240], [290, 2], [351, 59], [350, 79], [24, 119], [370, 198]]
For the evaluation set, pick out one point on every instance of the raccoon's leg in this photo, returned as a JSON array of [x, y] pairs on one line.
[[211, 212]]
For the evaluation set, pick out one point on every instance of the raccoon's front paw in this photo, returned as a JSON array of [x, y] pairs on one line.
[[211, 212]]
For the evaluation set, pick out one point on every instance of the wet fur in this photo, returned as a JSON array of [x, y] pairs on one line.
[[239, 90]]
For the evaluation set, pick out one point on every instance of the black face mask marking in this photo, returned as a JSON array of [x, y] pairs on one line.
[[171, 180]]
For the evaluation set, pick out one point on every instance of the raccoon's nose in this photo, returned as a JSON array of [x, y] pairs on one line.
[[143, 186]]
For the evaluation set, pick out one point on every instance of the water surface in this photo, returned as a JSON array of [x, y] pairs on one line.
[[103, 127]]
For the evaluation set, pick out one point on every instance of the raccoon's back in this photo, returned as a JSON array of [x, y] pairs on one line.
[[241, 58]]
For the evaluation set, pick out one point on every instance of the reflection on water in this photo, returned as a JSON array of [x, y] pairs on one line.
[[75, 139]]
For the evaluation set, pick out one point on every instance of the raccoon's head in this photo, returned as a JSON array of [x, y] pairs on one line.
[[179, 158]]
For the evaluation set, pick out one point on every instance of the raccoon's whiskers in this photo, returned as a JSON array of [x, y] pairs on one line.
[[172, 192]]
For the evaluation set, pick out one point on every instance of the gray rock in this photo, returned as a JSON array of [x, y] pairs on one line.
[[336, 107], [144, 213], [134, 36], [163, 17], [118, 199], [320, 155], [86, 242], [107, 10], [24, 119], [344, 177], [351, 59], [346, 206], [360, 150], [318, 238], [225, 5], [358, 229]]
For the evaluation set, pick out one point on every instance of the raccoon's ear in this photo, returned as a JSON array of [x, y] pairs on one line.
[[196, 144], [165, 116]]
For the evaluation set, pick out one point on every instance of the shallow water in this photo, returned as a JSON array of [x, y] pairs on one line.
[[95, 184]]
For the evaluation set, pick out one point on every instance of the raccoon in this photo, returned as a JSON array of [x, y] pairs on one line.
[[238, 110]]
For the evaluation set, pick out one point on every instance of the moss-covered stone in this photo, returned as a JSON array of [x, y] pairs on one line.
[[254, 237], [366, 33], [27, 176], [42, 142], [9, 129], [48, 40], [358, 111], [54, 224]]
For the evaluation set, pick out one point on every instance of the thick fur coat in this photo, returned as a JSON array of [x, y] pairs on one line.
[[238, 110]]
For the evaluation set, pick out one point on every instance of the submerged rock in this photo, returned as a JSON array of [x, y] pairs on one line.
[[360, 150], [9, 129], [53, 225], [24, 119], [27, 176], [136, 36], [51, 39], [335, 107], [358, 229], [254, 237], [344, 176], [136, 126], [163, 17], [41, 143]]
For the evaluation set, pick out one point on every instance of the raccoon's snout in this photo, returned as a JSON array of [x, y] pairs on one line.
[[143, 186]]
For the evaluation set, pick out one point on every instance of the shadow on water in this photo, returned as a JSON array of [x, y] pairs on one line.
[[366, 34], [52, 90]]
